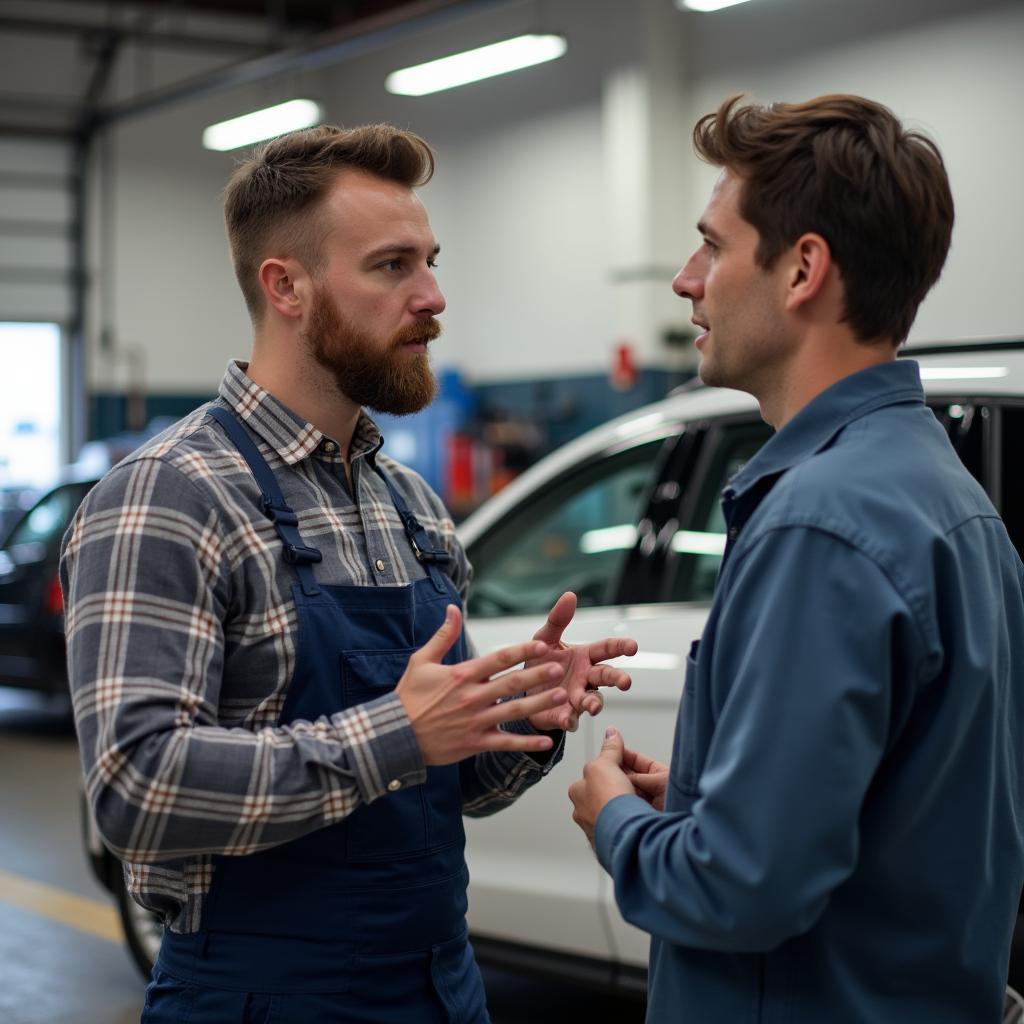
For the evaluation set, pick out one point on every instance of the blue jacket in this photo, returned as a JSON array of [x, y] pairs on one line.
[[842, 838]]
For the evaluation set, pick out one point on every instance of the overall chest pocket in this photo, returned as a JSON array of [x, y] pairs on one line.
[[412, 821]]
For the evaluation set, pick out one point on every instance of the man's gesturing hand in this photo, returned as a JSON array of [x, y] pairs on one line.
[[603, 780], [454, 709], [584, 672]]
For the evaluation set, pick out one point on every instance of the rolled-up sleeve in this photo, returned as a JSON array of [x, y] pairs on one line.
[[798, 691]]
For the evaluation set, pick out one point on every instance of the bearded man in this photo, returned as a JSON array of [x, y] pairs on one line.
[[281, 724]]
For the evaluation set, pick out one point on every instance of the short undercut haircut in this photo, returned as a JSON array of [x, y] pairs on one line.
[[845, 168], [272, 199]]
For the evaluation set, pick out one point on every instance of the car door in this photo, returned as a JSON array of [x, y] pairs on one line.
[[534, 880], [31, 605]]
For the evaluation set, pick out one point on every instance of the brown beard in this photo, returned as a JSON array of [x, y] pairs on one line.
[[384, 378]]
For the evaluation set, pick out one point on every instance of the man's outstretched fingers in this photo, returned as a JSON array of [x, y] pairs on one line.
[[443, 640], [524, 707], [606, 675], [504, 658], [558, 619], [613, 647], [513, 683]]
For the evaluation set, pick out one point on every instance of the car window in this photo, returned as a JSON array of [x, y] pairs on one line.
[[697, 550], [572, 535], [47, 520], [1011, 503], [965, 423]]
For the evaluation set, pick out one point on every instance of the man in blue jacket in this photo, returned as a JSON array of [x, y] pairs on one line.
[[838, 837]]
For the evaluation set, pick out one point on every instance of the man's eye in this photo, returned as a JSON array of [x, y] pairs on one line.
[[432, 263], [391, 265]]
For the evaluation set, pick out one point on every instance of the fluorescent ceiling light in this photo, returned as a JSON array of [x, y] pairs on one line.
[[706, 5], [962, 372], [261, 124], [473, 65]]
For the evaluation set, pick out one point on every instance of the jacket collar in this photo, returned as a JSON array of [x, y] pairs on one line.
[[815, 426]]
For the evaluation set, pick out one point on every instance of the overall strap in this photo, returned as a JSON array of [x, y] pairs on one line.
[[272, 502], [425, 552]]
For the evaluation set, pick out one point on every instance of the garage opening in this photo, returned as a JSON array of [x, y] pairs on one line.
[[30, 403]]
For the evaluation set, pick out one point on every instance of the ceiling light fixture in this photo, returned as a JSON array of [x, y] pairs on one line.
[[261, 124], [704, 6], [474, 65]]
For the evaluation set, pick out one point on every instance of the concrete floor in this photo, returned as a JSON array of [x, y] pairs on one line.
[[55, 968]]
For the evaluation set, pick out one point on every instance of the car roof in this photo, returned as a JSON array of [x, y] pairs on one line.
[[988, 368]]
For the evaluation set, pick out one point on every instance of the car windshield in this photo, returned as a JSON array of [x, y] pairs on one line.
[[47, 520]]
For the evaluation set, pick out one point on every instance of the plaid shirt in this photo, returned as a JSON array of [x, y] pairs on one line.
[[181, 634]]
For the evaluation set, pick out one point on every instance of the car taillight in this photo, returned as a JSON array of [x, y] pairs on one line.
[[53, 599]]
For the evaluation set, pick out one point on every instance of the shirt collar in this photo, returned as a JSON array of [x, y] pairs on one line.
[[287, 433], [814, 427]]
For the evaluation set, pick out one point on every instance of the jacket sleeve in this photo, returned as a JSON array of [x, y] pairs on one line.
[[810, 640], [147, 577]]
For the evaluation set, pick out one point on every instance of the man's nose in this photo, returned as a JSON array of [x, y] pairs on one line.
[[429, 300], [688, 283]]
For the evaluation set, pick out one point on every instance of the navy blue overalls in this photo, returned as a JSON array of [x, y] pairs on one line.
[[362, 922]]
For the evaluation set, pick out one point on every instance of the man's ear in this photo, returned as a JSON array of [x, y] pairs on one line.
[[284, 284], [810, 260]]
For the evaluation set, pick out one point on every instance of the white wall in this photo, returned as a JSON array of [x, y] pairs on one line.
[[961, 80], [519, 203]]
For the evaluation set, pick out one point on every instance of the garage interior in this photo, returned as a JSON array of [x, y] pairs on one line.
[[565, 200]]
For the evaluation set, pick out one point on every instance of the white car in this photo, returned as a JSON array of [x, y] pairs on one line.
[[628, 517]]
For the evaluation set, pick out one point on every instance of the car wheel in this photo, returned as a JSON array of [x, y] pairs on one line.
[[143, 930]]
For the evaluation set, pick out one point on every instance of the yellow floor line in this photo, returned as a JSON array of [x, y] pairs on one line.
[[86, 915]]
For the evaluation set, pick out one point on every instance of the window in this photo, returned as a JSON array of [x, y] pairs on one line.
[[44, 524], [965, 423], [573, 535], [1012, 496], [29, 404], [698, 549]]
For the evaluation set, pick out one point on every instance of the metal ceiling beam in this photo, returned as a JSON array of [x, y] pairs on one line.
[[9, 129], [322, 50], [51, 27], [106, 51], [42, 104]]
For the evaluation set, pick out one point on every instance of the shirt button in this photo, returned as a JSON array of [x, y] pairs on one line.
[[380, 564], [330, 447], [395, 784]]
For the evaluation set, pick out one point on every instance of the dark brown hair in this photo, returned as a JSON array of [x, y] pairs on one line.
[[271, 201], [842, 167]]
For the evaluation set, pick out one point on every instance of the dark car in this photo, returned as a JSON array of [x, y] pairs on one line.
[[31, 604], [15, 501]]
